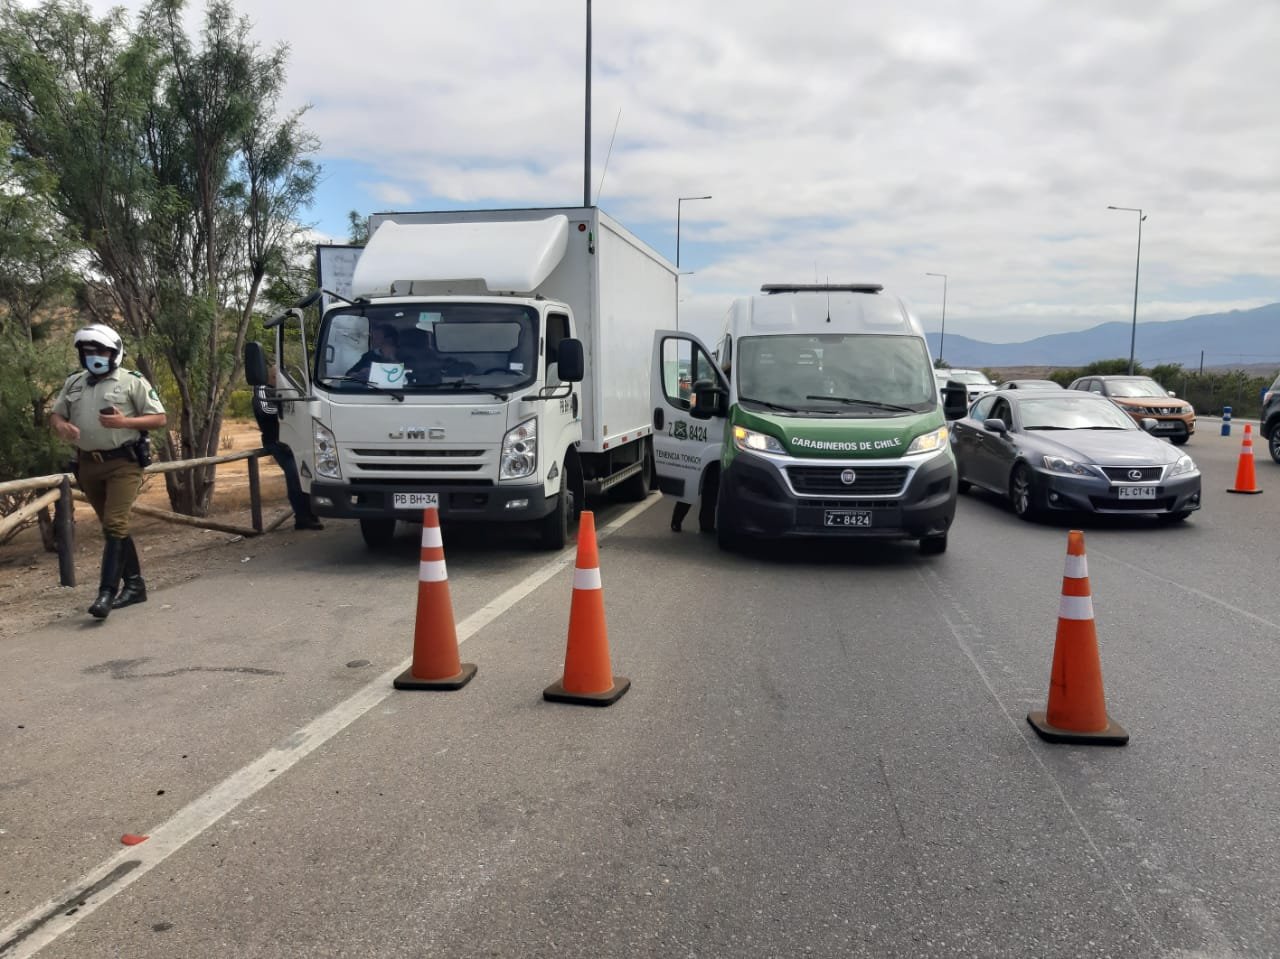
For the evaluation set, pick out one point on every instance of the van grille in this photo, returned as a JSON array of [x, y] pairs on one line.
[[868, 480]]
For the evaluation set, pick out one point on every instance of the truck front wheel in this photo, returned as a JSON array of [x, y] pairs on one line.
[[554, 531], [378, 533]]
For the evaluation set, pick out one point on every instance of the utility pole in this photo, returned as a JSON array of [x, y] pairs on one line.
[[586, 140]]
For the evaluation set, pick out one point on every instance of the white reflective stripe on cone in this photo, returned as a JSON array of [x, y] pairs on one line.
[[431, 536], [586, 578], [432, 571], [1077, 567], [1076, 607]]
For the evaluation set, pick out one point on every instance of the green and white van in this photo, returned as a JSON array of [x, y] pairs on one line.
[[816, 415]]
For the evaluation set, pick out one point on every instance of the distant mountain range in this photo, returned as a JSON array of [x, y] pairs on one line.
[[1236, 339]]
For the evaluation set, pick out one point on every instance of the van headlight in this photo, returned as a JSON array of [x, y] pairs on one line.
[[1185, 464], [749, 441], [928, 442], [520, 451], [326, 448]]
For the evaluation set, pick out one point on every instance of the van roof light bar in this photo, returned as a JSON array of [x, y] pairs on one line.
[[822, 288]]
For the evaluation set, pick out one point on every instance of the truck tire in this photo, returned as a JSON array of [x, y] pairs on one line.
[[554, 528], [635, 488], [378, 533]]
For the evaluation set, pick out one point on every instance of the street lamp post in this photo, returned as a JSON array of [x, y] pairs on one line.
[[1133, 333], [680, 201], [942, 337]]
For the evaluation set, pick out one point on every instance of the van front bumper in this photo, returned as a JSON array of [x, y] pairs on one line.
[[757, 500], [457, 503]]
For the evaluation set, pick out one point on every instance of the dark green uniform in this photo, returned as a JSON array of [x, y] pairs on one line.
[[108, 473]]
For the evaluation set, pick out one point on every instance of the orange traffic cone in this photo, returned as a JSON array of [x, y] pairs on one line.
[[588, 678], [435, 639], [1077, 711], [1246, 482]]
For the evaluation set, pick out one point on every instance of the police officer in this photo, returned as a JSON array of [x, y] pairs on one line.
[[102, 411]]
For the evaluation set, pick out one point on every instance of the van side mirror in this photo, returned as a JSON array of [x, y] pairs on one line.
[[708, 400], [571, 363], [1148, 424], [255, 364], [955, 400]]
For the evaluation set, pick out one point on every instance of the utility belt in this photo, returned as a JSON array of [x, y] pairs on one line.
[[101, 456]]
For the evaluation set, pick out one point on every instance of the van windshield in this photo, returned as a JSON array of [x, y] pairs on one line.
[[429, 347], [834, 373]]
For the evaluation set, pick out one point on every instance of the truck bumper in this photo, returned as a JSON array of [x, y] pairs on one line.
[[756, 500], [457, 503]]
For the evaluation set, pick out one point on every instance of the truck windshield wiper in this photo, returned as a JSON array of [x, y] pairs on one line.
[[468, 384], [397, 395], [773, 406], [874, 404]]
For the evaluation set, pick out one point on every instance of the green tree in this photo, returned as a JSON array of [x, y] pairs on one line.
[[180, 178], [36, 278], [357, 228]]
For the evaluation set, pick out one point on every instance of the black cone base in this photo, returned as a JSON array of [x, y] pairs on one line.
[[1246, 491], [556, 693], [1113, 735], [407, 680]]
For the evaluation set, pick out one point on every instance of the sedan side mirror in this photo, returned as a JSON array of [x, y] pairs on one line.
[[995, 425]]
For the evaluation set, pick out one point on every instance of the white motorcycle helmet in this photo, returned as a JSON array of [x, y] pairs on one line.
[[100, 335]]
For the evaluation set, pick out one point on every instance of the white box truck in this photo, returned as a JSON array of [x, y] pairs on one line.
[[490, 363]]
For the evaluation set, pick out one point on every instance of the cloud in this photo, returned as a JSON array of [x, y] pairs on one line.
[[875, 141]]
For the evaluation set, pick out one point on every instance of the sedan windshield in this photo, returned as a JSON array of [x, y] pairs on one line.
[[1072, 413], [834, 373], [429, 347], [1138, 386]]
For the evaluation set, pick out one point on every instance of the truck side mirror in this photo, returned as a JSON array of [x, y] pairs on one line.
[[955, 400], [255, 364], [708, 400], [571, 364]]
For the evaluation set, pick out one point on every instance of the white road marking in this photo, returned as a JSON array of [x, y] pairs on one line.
[[50, 920]]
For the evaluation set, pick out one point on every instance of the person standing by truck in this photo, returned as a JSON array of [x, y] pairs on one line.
[[105, 412], [267, 413]]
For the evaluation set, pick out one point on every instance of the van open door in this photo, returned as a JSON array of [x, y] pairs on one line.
[[690, 397]]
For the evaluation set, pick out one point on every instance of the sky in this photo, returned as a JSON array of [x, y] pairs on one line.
[[877, 141]]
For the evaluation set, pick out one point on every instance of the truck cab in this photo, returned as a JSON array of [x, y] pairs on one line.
[[816, 415]]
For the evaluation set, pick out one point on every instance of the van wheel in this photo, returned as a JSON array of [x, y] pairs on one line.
[[378, 533], [727, 538], [707, 504], [933, 545]]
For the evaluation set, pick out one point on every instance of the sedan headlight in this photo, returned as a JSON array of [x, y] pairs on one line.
[[749, 441], [1185, 464], [326, 448], [519, 451], [1060, 464], [929, 442]]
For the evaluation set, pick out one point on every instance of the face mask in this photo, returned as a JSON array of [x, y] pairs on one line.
[[97, 365]]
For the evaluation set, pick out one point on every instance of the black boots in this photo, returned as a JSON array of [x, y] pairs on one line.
[[112, 554], [135, 590]]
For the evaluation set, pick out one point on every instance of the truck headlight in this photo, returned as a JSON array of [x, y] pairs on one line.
[[749, 441], [326, 448], [1185, 464], [928, 442], [1060, 464], [519, 451]]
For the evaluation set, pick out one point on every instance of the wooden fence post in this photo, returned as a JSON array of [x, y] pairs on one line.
[[64, 534], [255, 494]]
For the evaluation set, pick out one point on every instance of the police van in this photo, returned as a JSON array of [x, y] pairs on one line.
[[817, 414]]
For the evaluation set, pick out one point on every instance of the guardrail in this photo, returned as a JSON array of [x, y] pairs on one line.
[[61, 495]]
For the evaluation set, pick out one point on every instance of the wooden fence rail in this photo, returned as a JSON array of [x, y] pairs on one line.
[[62, 496]]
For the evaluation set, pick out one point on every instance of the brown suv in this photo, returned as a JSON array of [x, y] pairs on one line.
[[1143, 398]]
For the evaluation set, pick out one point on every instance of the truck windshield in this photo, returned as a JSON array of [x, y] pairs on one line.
[[834, 373], [429, 347]]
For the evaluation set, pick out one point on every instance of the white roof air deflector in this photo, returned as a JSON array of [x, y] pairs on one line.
[[506, 257]]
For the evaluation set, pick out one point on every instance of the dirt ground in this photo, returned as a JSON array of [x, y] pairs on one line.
[[30, 596]]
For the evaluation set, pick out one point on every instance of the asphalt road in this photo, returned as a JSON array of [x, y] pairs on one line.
[[824, 752]]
